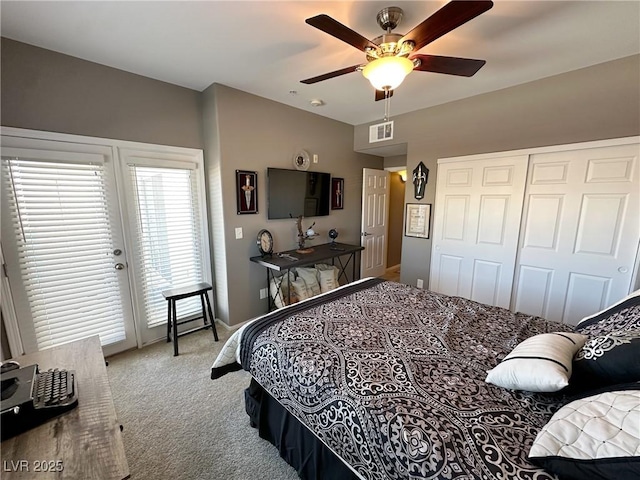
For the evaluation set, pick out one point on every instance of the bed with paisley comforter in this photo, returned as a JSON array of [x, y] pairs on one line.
[[380, 380]]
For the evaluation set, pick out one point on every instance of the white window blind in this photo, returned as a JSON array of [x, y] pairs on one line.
[[61, 223], [168, 237]]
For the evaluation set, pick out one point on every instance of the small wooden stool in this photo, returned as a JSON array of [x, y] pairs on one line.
[[185, 292]]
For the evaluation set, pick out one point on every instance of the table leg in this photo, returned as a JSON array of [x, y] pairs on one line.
[[169, 321], [175, 328], [211, 317]]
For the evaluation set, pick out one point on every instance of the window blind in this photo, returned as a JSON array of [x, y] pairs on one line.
[[61, 223], [168, 237]]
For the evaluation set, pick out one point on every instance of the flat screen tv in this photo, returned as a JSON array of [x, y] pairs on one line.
[[291, 193]]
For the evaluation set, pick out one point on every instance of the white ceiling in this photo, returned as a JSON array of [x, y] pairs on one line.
[[266, 48]]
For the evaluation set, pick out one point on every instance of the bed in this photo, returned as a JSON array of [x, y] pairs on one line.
[[380, 380]]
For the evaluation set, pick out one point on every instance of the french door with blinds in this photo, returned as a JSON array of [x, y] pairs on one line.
[[93, 234]]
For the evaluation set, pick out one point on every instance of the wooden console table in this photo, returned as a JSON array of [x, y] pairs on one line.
[[82, 443], [284, 261]]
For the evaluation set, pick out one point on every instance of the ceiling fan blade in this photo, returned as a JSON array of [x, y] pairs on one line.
[[380, 94], [449, 17], [464, 67], [341, 32], [329, 75]]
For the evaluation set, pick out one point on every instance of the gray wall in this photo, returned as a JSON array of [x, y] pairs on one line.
[[246, 132], [594, 103], [45, 90]]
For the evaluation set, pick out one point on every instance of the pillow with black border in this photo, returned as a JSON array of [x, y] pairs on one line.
[[611, 353], [541, 363], [608, 460]]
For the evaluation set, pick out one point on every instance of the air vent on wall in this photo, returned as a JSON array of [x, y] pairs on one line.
[[381, 132]]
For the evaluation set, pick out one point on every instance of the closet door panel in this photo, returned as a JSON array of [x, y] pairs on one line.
[[477, 220], [581, 224]]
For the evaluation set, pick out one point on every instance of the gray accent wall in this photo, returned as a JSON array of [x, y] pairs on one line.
[[246, 132], [49, 91], [594, 103]]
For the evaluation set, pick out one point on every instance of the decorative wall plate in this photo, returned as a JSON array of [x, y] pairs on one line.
[[301, 160]]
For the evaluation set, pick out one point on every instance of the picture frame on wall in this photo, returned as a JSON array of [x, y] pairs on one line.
[[246, 191], [337, 193], [418, 220]]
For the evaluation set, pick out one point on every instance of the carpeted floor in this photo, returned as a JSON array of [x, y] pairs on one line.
[[181, 425]]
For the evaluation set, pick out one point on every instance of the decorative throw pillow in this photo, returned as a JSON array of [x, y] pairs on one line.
[[299, 287], [541, 363], [279, 290], [606, 320], [327, 277], [612, 352], [594, 437], [310, 277]]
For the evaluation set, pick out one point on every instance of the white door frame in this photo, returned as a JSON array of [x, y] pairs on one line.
[[76, 141]]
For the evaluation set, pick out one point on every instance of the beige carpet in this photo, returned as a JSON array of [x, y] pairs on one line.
[[180, 424]]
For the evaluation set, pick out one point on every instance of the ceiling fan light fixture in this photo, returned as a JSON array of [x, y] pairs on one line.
[[387, 73]]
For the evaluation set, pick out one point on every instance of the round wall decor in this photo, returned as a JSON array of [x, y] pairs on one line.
[[301, 160]]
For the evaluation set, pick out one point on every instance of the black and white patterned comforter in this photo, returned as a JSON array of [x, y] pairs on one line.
[[391, 378]]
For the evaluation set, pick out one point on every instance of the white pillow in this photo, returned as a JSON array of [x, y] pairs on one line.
[[541, 363], [327, 277], [310, 277], [593, 437], [279, 290], [299, 288]]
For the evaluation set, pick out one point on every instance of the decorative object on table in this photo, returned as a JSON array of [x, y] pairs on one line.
[[304, 236], [246, 191], [337, 193], [333, 234], [420, 178], [417, 220], [265, 242], [301, 160]]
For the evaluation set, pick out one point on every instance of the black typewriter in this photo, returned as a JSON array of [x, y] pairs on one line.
[[31, 397]]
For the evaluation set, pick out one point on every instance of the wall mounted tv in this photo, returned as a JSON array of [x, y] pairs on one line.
[[291, 193]]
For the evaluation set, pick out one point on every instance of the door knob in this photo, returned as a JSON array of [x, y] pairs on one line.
[[366, 234], [119, 266]]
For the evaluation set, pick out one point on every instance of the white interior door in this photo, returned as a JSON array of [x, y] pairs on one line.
[[580, 232], [62, 236], [477, 217], [375, 222]]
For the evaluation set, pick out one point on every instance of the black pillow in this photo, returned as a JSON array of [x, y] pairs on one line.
[[611, 353]]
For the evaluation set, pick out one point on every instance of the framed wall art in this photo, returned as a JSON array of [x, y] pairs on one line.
[[337, 193], [247, 191], [417, 220]]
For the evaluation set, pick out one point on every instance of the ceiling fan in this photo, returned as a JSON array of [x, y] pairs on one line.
[[392, 56]]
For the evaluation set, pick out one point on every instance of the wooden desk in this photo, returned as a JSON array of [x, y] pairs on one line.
[[85, 442], [323, 252]]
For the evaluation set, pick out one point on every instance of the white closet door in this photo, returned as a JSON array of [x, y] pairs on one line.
[[580, 232], [477, 218]]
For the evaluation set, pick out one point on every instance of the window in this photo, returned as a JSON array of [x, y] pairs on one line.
[[169, 237]]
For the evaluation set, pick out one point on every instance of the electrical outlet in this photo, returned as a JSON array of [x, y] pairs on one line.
[[263, 293], [238, 233], [420, 283]]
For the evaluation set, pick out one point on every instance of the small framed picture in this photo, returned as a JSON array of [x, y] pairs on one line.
[[417, 220], [247, 191], [337, 193]]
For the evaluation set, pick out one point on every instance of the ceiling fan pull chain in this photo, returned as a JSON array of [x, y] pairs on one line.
[[387, 104]]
